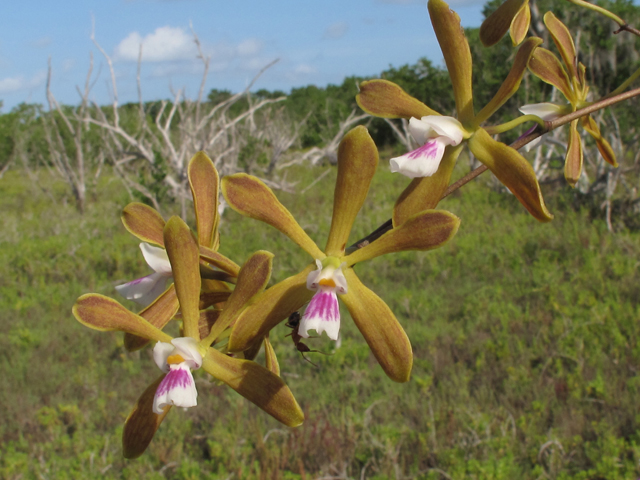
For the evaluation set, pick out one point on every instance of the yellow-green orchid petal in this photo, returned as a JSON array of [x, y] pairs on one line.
[[423, 231], [204, 182], [253, 277], [257, 384], [520, 24], [546, 66], [496, 25], [252, 198], [141, 424], [590, 125], [218, 260], [184, 256], [457, 55], [144, 222], [380, 329], [105, 314], [511, 84], [158, 314], [513, 170], [425, 193], [573, 160], [269, 308], [270, 359], [562, 38], [357, 162], [383, 98]]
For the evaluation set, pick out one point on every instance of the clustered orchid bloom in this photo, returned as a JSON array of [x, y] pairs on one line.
[[331, 275], [386, 99], [148, 225], [177, 357], [570, 80]]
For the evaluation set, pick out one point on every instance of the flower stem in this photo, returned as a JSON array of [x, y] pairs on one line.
[[505, 127], [600, 10]]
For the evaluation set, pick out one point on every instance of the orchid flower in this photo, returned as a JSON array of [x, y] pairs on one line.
[[570, 80], [147, 224], [433, 133], [331, 275], [512, 15], [178, 357], [442, 138]]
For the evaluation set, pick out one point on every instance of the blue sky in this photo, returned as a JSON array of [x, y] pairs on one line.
[[317, 41]]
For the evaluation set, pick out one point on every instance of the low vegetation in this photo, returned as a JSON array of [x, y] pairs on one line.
[[525, 339]]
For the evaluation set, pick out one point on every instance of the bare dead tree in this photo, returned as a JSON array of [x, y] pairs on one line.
[[69, 158], [181, 127], [329, 151]]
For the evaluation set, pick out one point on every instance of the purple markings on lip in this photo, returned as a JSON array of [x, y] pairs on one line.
[[176, 378], [430, 149], [324, 305]]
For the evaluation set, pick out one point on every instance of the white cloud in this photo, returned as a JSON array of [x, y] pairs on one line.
[[164, 44], [249, 47], [337, 30], [15, 84]]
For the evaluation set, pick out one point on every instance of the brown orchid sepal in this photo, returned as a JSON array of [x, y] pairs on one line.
[[513, 171], [512, 15]]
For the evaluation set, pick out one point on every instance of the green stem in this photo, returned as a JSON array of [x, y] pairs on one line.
[[600, 10], [505, 127]]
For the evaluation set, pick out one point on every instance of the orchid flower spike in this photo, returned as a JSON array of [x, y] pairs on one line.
[[433, 133], [146, 289], [176, 359]]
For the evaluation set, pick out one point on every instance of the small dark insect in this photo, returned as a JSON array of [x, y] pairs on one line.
[[294, 323]]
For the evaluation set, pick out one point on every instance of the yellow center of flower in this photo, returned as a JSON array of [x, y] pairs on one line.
[[327, 282], [174, 359]]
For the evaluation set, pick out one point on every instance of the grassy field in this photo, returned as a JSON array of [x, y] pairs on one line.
[[525, 338]]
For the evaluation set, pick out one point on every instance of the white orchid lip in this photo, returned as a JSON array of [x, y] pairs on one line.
[[176, 359], [323, 312], [546, 110], [434, 133], [146, 289]]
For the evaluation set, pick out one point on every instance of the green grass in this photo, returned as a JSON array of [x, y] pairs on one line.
[[525, 338]]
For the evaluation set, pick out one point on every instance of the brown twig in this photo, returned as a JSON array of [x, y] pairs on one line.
[[627, 28]]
